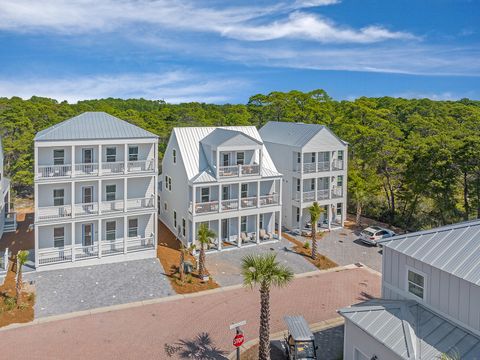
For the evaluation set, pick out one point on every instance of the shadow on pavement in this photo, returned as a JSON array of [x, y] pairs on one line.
[[201, 347]]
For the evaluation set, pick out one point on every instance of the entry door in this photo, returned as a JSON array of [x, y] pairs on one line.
[[226, 192], [225, 230], [226, 159], [87, 194], [87, 234], [87, 156]]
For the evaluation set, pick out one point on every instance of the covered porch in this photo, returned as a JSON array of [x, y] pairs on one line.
[[332, 217]]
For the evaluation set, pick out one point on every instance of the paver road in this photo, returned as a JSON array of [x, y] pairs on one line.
[[152, 331]]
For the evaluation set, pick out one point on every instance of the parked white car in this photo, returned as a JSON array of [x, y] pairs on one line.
[[372, 234]]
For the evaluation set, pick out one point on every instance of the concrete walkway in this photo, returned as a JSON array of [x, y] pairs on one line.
[[172, 329]]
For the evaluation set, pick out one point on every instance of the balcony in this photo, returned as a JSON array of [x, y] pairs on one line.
[[92, 169], [323, 194], [248, 202], [206, 207], [238, 171], [111, 206], [323, 166], [141, 203], [337, 193], [86, 209], [337, 164], [231, 204], [313, 167], [269, 200], [54, 212]]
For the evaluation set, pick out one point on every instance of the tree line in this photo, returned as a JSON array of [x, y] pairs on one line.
[[412, 163]]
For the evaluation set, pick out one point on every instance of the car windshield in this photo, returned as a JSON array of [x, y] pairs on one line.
[[366, 232], [375, 228], [305, 350]]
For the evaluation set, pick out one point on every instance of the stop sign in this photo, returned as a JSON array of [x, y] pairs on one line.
[[238, 340]]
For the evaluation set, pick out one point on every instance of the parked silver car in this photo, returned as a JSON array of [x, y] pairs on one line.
[[372, 234]]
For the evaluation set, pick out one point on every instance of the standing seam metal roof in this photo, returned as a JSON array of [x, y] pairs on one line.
[[454, 249], [93, 125]]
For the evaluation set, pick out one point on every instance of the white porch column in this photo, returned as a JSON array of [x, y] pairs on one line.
[[279, 224], [125, 191], [72, 161], [301, 162], [220, 198], [37, 260], [155, 227], [72, 198], [257, 233], [239, 240], [99, 238], [280, 194], [99, 195], [194, 192], [125, 158], [217, 162], [194, 234], [100, 154], [72, 234], [125, 233], [36, 161], [258, 193], [329, 212], [8, 201], [219, 235], [300, 221]]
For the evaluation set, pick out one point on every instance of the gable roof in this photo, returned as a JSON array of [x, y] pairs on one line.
[[411, 330], [221, 136], [454, 249], [91, 126], [189, 141], [291, 133]]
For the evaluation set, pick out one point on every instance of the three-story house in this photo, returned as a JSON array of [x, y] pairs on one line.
[[95, 192], [222, 177]]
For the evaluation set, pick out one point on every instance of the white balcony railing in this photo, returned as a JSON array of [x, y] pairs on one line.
[[113, 167], [250, 170], [86, 209], [86, 169], [231, 204], [54, 212], [309, 196], [53, 171], [248, 202], [323, 194], [337, 192], [141, 166], [309, 167], [228, 171], [206, 207], [86, 252], [140, 203], [137, 244], [111, 206], [238, 170], [112, 247], [337, 164], [55, 255], [268, 200], [323, 166]]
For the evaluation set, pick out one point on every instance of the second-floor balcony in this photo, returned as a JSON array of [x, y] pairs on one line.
[[236, 204], [93, 169], [318, 195], [238, 171]]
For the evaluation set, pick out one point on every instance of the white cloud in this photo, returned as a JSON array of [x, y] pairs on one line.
[[250, 23], [173, 87]]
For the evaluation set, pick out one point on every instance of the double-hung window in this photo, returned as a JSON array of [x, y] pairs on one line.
[[59, 237], [110, 192], [340, 181], [240, 158], [416, 284], [340, 155], [174, 219], [132, 227], [174, 152], [312, 184], [111, 154], [110, 230], [184, 225], [58, 197], [59, 157], [339, 209], [298, 184], [133, 153], [205, 195], [244, 191]]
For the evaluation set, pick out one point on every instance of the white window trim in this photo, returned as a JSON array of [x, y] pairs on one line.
[[425, 283], [58, 197], [175, 222], [114, 155], [63, 237], [128, 227], [114, 231], [174, 155], [63, 158], [108, 192], [133, 147]]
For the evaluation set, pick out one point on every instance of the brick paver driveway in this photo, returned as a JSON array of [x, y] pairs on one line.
[[152, 331]]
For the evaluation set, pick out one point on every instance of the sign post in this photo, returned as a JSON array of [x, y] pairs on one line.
[[239, 338]]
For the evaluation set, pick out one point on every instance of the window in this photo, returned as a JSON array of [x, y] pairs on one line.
[[111, 154], [240, 158], [132, 227], [58, 197], [298, 184], [169, 183], [110, 192], [165, 206], [226, 159], [174, 219], [58, 157], [184, 225], [174, 153], [340, 155], [339, 209], [261, 221], [298, 214], [205, 194], [133, 153], [225, 192], [299, 158], [339, 181], [313, 158], [110, 230], [416, 284], [312, 184], [243, 224], [244, 191], [59, 236]]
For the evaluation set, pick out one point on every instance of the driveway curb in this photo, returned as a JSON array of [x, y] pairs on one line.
[[130, 305]]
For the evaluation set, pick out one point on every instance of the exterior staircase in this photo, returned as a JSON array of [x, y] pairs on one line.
[[10, 222]]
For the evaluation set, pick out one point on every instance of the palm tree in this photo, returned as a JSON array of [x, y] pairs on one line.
[[315, 211], [205, 236], [22, 257], [264, 271]]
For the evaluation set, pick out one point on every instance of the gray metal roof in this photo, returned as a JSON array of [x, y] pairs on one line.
[[221, 136], [189, 141], [454, 249], [412, 331], [291, 133], [92, 126], [298, 328]]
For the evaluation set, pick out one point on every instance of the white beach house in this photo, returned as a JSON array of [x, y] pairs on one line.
[[430, 299], [223, 177], [313, 161], [95, 192]]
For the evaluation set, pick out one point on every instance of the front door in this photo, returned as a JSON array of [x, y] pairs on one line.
[[87, 156], [87, 234], [225, 230], [226, 159], [87, 194]]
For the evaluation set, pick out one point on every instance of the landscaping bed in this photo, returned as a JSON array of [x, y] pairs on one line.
[[321, 262], [10, 313]]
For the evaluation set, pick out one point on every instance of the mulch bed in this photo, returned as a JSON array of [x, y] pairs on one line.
[[169, 255], [321, 262], [13, 314]]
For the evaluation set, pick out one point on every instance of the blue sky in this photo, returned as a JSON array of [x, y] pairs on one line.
[[225, 51]]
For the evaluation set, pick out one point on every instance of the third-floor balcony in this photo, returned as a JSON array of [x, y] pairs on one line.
[[238, 171]]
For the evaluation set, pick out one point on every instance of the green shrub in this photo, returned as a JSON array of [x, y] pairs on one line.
[[23, 306], [10, 303], [306, 245]]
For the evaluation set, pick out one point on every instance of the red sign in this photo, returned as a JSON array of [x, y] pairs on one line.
[[238, 340]]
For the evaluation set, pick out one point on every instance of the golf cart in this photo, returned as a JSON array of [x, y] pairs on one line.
[[300, 342]]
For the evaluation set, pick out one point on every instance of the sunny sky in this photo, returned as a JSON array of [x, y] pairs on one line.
[[225, 51]]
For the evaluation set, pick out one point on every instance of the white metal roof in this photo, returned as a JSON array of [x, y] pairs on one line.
[[91, 126], [412, 331], [196, 165], [221, 136], [454, 249], [291, 133]]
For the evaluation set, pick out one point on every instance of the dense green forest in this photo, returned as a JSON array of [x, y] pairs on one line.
[[412, 163]]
